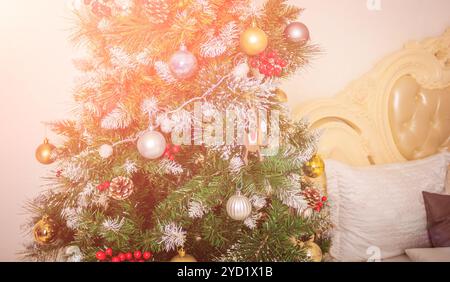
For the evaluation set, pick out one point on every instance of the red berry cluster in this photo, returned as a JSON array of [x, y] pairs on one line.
[[103, 186], [99, 8], [269, 63], [321, 204], [136, 256], [59, 173], [171, 151]]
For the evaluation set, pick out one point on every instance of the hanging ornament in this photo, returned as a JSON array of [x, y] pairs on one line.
[[314, 167], [105, 151], [280, 96], [269, 64], [313, 251], [183, 63], [297, 32], [253, 41], [183, 257], [44, 153], [121, 188], [44, 231], [151, 145], [239, 207], [157, 11]]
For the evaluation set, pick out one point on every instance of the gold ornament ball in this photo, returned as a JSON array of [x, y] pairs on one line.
[[44, 153], [314, 167], [313, 251], [280, 96], [43, 231], [253, 41], [183, 257]]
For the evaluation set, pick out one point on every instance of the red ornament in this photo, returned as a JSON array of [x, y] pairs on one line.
[[269, 63], [147, 255], [129, 256], [104, 186], [115, 259], [171, 150], [176, 149], [101, 256], [324, 199], [122, 257], [109, 252], [137, 254]]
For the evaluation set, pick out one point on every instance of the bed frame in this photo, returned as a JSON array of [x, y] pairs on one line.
[[398, 111]]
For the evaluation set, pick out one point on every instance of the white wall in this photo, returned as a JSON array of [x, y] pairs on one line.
[[36, 75]]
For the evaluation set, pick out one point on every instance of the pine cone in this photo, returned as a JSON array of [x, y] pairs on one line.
[[312, 196], [121, 188], [157, 11]]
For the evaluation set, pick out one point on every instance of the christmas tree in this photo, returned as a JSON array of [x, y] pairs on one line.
[[182, 148]]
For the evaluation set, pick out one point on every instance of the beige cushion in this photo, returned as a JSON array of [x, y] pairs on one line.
[[429, 255], [381, 207]]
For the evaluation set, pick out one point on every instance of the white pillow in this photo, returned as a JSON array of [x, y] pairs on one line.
[[378, 211], [429, 255]]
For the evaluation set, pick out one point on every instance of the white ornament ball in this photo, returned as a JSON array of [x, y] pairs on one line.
[[105, 151], [239, 207], [151, 145], [241, 71]]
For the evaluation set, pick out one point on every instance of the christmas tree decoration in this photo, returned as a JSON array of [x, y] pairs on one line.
[[183, 257], [183, 64], [121, 188], [105, 151], [314, 199], [100, 255], [44, 231], [253, 41], [157, 11], [44, 153], [269, 64], [297, 32], [136, 256], [103, 186], [313, 251], [239, 207], [171, 151], [120, 181], [314, 167], [151, 145], [281, 96]]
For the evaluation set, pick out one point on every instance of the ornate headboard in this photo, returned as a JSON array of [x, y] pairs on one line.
[[398, 111]]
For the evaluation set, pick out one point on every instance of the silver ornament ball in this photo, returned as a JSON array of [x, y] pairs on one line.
[[151, 145], [183, 63], [239, 207], [105, 151], [297, 32]]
